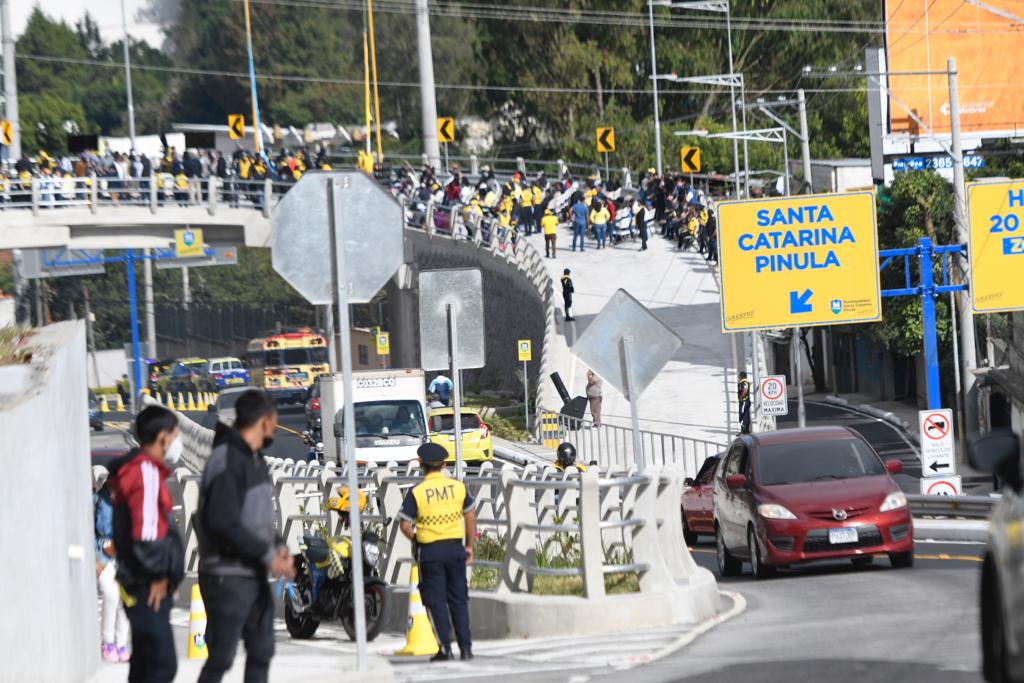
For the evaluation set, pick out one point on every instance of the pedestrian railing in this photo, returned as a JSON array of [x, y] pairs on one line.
[[611, 446], [968, 507]]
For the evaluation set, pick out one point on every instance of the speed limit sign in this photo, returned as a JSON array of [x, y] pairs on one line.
[[773, 395]]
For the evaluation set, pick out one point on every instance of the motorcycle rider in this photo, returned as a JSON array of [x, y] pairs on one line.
[[565, 460], [437, 506], [238, 544]]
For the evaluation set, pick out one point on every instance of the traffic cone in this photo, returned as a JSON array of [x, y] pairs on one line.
[[181, 401], [201, 404], [191, 402], [419, 635], [103, 405], [120, 404], [197, 626], [169, 400]]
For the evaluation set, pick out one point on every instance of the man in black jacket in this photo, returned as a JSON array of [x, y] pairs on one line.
[[150, 555], [238, 544]]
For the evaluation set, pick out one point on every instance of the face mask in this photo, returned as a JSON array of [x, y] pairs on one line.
[[267, 441], [173, 452]]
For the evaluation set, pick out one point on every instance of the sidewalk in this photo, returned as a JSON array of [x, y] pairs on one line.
[[691, 397]]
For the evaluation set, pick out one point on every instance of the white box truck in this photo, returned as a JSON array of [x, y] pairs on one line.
[[390, 410]]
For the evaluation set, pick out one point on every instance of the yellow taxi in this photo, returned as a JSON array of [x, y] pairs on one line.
[[476, 436]]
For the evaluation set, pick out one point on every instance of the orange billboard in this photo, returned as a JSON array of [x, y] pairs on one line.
[[986, 37]]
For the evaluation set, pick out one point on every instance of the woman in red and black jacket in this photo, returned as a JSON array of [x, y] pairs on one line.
[[150, 554]]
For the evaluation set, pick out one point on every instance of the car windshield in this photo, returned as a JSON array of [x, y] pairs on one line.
[[383, 418], [296, 357], [793, 463], [446, 423]]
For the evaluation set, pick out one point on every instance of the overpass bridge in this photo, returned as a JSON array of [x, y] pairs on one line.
[[686, 409]]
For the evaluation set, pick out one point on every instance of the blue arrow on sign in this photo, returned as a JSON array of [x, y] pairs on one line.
[[800, 303]]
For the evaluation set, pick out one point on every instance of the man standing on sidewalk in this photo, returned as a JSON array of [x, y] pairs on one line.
[[743, 395], [549, 223], [567, 292], [238, 544], [594, 396]]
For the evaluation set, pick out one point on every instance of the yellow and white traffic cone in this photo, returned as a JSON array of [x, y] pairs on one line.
[[191, 402], [120, 404], [181, 400], [197, 626], [104, 408], [419, 636], [201, 404], [169, 400]]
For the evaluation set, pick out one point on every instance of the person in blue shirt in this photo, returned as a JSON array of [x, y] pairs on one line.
[[441, 387], [579, 222]]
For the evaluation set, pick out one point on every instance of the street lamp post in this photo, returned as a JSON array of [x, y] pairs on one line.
[[654, 80], [128, 77]]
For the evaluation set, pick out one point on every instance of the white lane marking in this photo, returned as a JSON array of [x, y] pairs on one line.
[[739, 605]]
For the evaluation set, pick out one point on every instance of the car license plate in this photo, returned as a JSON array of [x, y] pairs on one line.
[[296, 376], [846, 534], [235, 380]]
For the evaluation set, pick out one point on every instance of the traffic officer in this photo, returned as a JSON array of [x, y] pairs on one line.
[[567, 292], [743, 395], [566, 458], [437, 507]]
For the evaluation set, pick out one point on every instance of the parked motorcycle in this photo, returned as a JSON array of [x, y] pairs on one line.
[[322, 590]]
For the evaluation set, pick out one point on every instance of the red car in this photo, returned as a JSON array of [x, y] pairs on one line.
[[698, 506], [798, 495]]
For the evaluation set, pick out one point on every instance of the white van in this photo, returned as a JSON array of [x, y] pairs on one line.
[[390, 411]]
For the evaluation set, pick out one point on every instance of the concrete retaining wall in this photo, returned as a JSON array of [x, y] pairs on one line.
[[50, 628]]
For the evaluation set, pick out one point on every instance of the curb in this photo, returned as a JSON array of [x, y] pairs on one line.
[[739, 605], [955, 530]]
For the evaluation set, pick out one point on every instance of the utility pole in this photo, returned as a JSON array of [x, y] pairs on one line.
[[128, 80], [968, 348], [654, 82], [805, 141], [147, 280], [10, 81], [428, 99]]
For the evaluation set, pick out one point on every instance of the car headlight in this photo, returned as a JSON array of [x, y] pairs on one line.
[[773, 511], [894, 501], [371, 551]]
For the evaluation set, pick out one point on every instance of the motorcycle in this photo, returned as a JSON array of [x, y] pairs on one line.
[[322, 589], [316, 447]]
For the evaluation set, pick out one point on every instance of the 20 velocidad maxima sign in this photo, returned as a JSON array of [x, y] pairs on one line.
[[795, 261]]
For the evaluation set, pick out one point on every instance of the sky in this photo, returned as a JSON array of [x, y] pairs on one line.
[[107, 14]]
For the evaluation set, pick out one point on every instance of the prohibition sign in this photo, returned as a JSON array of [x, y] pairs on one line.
[[936, 426], [942, 488], [772, 388]]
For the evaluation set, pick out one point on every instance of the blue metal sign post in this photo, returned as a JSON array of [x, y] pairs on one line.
[[128, 257], [927, 289]]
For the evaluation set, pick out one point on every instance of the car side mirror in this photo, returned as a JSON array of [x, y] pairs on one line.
[[688, 481], [736, 481], [997, 452], [893, 466]]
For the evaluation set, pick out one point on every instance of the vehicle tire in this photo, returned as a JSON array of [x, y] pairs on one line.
[[758, 568], [377, 599], [690, 537], [300, 626], [727, 564], [98, 428], [901, 560], [862, 560]]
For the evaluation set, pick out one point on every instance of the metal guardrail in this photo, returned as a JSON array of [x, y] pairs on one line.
[[969, 507]]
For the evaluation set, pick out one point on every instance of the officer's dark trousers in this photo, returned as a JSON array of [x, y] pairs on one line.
[[443, 589], [237, 607], [744, 417], [153, 657]]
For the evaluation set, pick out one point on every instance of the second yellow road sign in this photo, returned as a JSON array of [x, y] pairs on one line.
[[605, 139], [795, 261], [445, 129], [236, 126], [6, 132], [525, 350], [188, 243], [383, 344], [995, 213]]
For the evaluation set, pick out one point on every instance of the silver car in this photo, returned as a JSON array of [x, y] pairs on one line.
[[1002, 577]]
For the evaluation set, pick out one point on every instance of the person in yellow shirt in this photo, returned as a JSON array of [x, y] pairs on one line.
[[599, 217], [549, 224], [526, 209], [443, 513]]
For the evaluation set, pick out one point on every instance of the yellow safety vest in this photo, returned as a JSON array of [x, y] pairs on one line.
[[526, 198], [580, 468], [439, 503], [537, 195], [599, 217], [243, 168], [549, 223], [181, 181]]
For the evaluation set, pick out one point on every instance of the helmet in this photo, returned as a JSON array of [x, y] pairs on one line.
[[340, 503], [566, 453]]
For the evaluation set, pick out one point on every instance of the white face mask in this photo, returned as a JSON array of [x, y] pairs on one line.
[[173, 453]]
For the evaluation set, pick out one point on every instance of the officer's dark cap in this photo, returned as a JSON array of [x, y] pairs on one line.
[[431, 453]]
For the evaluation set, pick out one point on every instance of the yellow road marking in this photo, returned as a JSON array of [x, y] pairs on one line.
[[938, 556]]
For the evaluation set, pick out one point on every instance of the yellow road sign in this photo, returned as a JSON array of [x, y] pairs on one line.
[[6, 132], [525, 350], [445, 129], [236, 126], [794, 261], [995, 212], [383, 344], [605, 139], [188, 243], [689, 159]]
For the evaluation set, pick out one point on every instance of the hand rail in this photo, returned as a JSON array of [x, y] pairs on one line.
[[970, 507]]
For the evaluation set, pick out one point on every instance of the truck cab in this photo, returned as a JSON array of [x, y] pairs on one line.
[[390, 414]]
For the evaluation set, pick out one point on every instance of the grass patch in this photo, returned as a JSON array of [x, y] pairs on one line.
[[486, 401], [511, 429], [614, 584], [12, 351]]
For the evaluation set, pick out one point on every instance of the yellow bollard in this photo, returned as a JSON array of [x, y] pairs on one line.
[[197, 626]]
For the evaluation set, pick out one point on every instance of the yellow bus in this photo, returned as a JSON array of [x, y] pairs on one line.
[[285, 364]]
